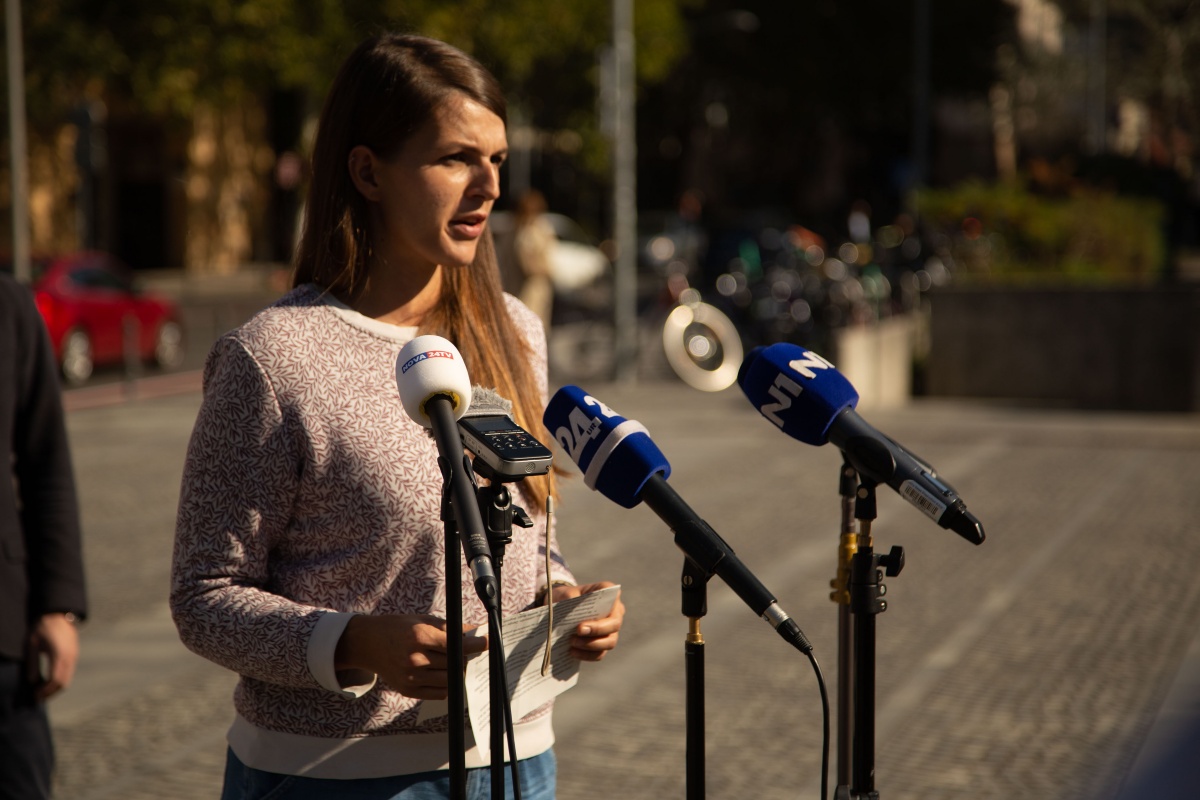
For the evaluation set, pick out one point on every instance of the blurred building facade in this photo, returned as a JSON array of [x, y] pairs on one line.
[[224, 187]]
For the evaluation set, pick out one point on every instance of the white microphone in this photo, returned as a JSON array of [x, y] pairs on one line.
[[436, 391], [429, 366]]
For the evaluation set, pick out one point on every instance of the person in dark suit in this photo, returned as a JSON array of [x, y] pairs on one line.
[[42, 593]]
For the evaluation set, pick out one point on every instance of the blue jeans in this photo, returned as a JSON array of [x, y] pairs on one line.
[[246, 783]]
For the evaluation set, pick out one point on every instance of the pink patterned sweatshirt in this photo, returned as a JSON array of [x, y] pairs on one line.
[[309, 496]]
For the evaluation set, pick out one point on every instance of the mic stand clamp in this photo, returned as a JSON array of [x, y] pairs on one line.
[[498, 513]]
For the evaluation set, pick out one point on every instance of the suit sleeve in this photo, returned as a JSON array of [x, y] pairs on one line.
[[46, 480]]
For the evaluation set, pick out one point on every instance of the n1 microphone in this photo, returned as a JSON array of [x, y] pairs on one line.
[[808, 399], [435, 391], [503, 450], [620, 461]]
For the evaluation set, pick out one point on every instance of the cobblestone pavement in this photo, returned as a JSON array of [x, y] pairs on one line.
[[1033, 666]]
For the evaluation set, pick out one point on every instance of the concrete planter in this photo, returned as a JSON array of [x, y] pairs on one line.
[[877, 359]]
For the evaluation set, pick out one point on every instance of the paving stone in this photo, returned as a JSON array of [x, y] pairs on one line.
[[1033, 666]]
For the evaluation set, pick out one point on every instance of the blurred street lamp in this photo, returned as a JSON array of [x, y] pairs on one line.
[[622, 92]]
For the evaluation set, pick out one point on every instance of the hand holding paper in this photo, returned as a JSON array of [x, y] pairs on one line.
[[524, 644], [598, 635]]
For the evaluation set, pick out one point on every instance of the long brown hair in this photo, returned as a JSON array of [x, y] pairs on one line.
[[386, 90]]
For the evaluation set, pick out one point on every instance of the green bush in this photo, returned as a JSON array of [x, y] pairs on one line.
[[1005, 234]]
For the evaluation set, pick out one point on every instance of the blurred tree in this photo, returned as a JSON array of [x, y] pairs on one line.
[[166, 56], [202, 70], [546, 54], [207, 66]]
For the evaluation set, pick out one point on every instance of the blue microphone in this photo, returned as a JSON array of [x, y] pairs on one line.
[[808, 399], [616, 455], [619, 460]]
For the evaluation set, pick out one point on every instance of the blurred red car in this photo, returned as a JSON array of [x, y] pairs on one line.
[[90, 306]]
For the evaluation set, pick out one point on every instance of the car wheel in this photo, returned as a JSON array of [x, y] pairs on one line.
[[77, 363], [168, 345]]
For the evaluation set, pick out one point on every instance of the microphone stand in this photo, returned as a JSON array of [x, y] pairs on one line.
[[456, 697], [847, 545], [866, 601], [694, 586], [499, 514], [459, 505]]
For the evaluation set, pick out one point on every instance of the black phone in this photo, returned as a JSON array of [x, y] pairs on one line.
[[504, 446]]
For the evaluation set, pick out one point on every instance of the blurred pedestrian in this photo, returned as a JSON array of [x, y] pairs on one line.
[[42, 593], [309, 543], [533, 243]]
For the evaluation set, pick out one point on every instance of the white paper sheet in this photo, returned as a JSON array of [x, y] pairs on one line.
[[524, 647]]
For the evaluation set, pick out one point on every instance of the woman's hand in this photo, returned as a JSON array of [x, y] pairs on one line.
[[595, 637], [407, 651]]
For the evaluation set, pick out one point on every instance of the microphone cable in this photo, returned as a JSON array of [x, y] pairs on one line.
[[824, 723]]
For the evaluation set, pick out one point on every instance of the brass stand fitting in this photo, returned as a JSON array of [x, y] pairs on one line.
[[847, 547]]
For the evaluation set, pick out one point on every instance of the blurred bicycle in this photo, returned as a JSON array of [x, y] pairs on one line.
[[701, 344]]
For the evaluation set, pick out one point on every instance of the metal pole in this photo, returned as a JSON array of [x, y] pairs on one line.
[[16, 141], [520, 154], [624, 194]]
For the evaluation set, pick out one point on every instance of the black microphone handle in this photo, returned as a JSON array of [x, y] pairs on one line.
[[883, 460], [707, 550], [440, 409]]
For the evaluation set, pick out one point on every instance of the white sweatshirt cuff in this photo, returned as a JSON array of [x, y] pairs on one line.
[[322, 646]]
